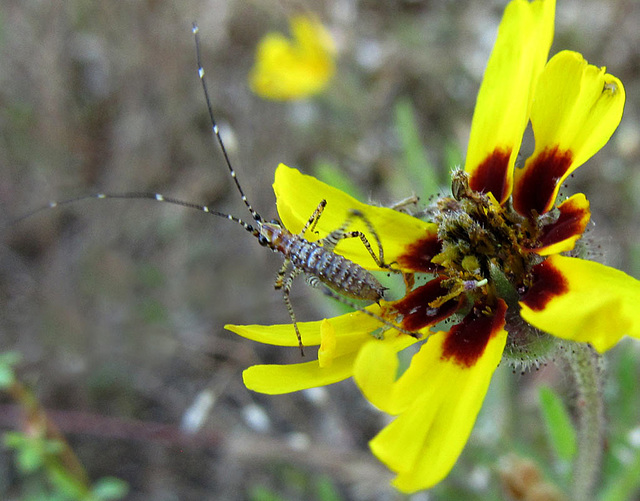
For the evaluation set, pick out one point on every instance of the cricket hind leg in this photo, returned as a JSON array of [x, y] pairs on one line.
[[332, 239]]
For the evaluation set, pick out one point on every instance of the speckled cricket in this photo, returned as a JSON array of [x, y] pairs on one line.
[[333, 274]]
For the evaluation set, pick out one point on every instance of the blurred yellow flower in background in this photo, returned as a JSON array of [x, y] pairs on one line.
[[287, 69]]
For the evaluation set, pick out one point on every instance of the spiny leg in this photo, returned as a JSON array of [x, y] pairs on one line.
[[315, 217], [404, 205], [284, 281], [281, 274], [287, 300], [380, 262], [331, 240]]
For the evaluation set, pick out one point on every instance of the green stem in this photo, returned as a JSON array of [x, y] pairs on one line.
[[586, 366]]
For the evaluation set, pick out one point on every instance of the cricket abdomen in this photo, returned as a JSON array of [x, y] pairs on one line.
[[335, 271]]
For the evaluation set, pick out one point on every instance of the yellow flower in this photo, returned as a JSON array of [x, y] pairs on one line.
[[501, 254], [294, 69]]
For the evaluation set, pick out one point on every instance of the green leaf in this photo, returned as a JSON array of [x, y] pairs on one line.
[[10, 358], [64, 482], [110, 488], [13, 439], [7, 361], [29, 457], [326, 490], [557, 421], [260, 493], [627, 396], [52, 447], [7, 377]]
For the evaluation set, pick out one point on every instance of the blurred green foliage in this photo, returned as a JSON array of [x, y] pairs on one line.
[[43, 463], [562, 435]]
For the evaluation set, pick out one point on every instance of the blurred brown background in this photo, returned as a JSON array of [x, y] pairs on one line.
[[118, 307]]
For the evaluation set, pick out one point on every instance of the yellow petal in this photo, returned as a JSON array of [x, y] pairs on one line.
[[577, 108], [440, 399], [504, 99], [562, 234], [278, 379], [375, 372], [292, 69], [327, 350], [349, 325], [583, 301], [298, 196]]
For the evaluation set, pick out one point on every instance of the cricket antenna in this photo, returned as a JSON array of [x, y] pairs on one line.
[[214, 125], [139, 195]]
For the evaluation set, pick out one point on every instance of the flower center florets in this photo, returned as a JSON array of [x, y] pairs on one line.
[[484, 244], [486, 255]]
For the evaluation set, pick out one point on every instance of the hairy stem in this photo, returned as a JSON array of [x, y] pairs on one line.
[[586, 366]]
